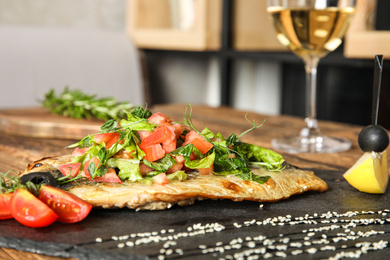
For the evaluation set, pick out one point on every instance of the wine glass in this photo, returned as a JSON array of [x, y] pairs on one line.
[[311, 29]]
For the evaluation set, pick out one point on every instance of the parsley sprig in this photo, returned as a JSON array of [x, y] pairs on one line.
[[76, 104]]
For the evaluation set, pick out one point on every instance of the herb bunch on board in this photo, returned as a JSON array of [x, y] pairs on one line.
[[77, 104]]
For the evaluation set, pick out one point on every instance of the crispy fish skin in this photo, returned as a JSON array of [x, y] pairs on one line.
[[140, 196]]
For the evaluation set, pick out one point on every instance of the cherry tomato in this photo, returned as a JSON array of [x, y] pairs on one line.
[[5, 199], [30, 211], [68, 207]]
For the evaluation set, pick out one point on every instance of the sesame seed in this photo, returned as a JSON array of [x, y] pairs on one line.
[[251, 244], [129, 243], [312, 250]]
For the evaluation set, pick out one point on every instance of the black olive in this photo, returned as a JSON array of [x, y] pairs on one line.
[[39, 178], [373, 138]]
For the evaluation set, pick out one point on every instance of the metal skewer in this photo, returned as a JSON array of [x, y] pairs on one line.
[[378, 67]]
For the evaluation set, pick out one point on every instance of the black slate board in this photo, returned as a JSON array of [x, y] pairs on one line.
[[285, 227]]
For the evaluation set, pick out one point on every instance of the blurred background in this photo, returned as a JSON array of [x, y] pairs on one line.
[[211, 52]]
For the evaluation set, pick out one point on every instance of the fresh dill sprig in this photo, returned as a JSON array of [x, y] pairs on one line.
[[14, 183], [76, 104]]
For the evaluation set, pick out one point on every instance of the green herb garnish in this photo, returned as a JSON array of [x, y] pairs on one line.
[[76, 104]]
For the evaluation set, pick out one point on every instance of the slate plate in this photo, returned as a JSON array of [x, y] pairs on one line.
[[313, 225]]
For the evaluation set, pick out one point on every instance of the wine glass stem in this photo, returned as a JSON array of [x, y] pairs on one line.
[[311, 64]]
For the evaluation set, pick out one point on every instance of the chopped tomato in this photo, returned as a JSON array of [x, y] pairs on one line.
[[161, 179], [164, 133], [153, 152], [193, 157], [206, 171], [30, 211], [198, 141], [71, 169], [144, 133], [79, 151], [68, 207], [108, 138], [113, 140], [157, 137], [178, 129], [5, 200], [144, 169], [124, 154], [159, 118], [176, 167], [96, 161], [109, 176], [169, 146]]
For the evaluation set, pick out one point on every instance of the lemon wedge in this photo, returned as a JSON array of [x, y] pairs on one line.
[[369, 173]]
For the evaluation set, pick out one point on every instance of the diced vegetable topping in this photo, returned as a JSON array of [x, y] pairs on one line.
[[151, 148]]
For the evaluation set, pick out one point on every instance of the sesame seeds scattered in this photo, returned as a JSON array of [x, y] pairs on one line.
[[338, 235]]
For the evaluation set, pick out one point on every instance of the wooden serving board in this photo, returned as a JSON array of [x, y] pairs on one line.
[[40, 122]]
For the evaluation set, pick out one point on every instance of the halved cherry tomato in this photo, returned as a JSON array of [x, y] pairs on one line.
[[161, 179], [79, 151], [108, 138], [30, 211], [153, 152], [5, 200], [71, 169], [68, 207], [159, 118], [198, 141]]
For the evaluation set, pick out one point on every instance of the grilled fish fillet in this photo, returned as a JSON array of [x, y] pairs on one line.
[[141, 196]]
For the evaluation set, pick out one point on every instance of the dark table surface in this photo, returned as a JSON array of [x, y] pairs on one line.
[[341, 222]]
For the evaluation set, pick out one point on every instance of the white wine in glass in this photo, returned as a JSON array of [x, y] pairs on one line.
[[311, 29]]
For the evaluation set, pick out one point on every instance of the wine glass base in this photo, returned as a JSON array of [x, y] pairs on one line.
[[317, 144]]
